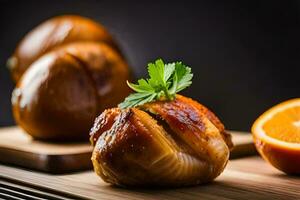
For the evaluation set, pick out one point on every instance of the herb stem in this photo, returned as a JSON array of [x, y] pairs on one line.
[[169, 97]]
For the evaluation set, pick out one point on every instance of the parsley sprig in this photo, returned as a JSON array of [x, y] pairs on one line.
[[165, 81]]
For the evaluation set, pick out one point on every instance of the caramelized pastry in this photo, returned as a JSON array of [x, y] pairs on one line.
[[161, 143]]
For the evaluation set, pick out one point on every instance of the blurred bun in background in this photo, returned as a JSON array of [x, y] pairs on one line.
[[67, 70], [51, 34]]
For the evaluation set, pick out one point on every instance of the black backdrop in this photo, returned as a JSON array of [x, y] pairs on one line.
[[245, 55]]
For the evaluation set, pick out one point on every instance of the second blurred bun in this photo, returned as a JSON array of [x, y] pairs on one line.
[[58, 95], [52, 33]]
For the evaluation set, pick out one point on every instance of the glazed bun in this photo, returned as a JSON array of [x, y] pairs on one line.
[[59, 93]]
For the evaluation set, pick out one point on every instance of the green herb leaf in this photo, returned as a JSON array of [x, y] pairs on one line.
[[164, 82], [184, 76]]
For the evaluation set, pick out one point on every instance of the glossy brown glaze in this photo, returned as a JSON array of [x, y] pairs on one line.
[[59, 96], [53, 33], [103, 123], [211, 116], [164, 143], [106, 68]]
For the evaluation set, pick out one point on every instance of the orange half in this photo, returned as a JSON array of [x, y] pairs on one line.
[[276, 135]]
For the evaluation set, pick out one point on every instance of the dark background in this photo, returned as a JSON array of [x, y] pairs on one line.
[[245, 55]]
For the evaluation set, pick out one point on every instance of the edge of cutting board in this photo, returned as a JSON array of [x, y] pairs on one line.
[[18, 148]]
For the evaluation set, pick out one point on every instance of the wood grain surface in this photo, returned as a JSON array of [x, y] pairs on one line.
[[244, 178], [18, 148]]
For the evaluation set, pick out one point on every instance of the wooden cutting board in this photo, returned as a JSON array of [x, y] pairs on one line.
[[18, 148]]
